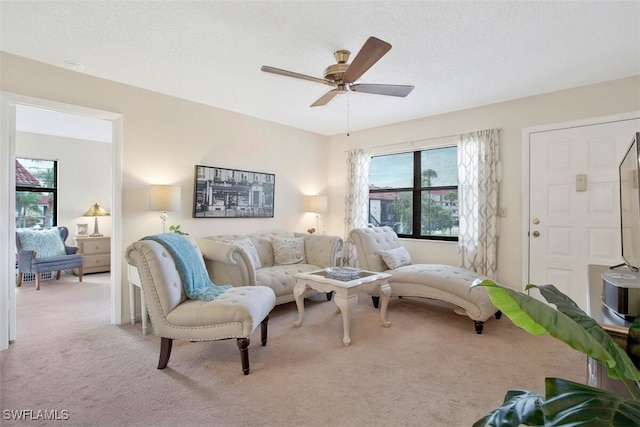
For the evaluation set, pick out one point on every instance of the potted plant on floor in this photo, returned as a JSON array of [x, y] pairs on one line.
[[565, 402]]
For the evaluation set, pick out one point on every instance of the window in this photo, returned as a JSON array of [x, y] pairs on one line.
[[416, 193], [36, 193]]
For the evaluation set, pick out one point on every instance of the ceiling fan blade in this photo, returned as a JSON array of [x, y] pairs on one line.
[[389, 90], [371, 52], [324, 99], [274, 70]]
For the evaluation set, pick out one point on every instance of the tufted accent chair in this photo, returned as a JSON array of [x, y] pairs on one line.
[[435, 281], [234, 314]]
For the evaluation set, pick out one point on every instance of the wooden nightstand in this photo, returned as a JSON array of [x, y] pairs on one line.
[[97, 254]]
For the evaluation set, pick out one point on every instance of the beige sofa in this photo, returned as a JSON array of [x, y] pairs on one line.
[[377, 247], [258, 259]]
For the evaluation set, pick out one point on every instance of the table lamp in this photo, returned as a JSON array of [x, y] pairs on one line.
[[164, 198], [317, 205], [95, 211]]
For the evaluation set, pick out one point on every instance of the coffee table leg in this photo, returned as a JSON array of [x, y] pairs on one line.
[[345, 305], [385, 294], [298, 294]]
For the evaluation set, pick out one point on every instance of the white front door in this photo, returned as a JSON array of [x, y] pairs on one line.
[[573, 213]]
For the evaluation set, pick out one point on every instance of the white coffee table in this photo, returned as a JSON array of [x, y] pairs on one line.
[[345, 294]]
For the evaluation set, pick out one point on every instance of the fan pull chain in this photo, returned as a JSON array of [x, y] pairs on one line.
[[348, 110]]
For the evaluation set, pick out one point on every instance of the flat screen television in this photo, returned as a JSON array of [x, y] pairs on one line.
[[629, 173]]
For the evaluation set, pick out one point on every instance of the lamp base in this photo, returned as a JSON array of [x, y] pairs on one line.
[[95, 233]]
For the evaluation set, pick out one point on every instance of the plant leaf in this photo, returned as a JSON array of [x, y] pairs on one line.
[[519, 407], [536, 317], [624, 367], [572, 404]]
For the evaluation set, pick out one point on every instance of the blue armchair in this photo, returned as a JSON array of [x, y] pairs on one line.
[[43, 251]]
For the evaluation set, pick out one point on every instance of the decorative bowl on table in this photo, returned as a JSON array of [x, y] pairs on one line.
[[343, 273]]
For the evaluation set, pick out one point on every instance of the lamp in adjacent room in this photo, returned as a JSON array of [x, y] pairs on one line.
[[317, 205], [95, 211], [164, 198]]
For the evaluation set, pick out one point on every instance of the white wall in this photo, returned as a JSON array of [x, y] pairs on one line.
[[84, 175], [618, 96]]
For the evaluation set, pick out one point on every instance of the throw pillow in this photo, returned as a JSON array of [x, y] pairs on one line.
[[396, 257], [45, 242], [250, 249], [288, 250]]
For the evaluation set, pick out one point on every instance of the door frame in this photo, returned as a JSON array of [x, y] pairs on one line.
[[526, 146], [8, 102]]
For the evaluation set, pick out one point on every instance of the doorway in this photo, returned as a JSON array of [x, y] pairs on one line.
[[7, 247], [571, 213]]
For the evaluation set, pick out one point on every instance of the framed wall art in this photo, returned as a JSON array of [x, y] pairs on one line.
[[232, 193]]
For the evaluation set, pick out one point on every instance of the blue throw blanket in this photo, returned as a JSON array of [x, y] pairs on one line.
[[194, 277]]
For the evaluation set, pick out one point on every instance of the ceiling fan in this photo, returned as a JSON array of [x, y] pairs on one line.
[[343, 76]]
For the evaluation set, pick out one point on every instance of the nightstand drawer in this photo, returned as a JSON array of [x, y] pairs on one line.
[[93, 261], [100, 246]]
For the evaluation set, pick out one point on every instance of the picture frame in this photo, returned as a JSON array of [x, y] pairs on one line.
[[233, 193], [82, 230]]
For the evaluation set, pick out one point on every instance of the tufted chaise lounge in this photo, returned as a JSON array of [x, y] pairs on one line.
[[236, 313], [435, 281]]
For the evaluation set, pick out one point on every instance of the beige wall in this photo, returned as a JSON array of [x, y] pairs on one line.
[[619, 96], [164, 137]]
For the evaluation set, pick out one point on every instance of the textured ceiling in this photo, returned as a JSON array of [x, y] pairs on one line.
[[457, 54]]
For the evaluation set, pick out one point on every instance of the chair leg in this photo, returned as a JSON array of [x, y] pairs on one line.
[[80, 274], [58, 275], [19, 280], [479, 326], [263, 330], [375, 301], [243, 345], [165, 352], [37, 281]]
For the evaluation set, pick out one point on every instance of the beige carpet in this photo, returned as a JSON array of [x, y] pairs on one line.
[[429, 369]]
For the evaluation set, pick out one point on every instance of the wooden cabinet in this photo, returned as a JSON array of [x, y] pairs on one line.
[[96, 252]]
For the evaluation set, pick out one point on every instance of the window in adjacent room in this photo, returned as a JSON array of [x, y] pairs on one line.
[[416, 193], [36, 193]]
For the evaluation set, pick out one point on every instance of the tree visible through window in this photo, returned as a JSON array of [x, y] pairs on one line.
[[36, 192], [416, 193]]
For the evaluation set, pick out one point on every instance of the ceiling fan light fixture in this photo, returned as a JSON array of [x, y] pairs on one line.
[[344, 76]]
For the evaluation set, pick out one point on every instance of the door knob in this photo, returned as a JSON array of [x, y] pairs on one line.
[[536, 234], [535, 221]]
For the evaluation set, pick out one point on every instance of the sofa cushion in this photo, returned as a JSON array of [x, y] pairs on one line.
[[282, 278], [396, 257], [46, 242], [249, 248], [288, 250]]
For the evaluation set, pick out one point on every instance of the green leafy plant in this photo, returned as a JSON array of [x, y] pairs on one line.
[[565, 402], [176, 229]]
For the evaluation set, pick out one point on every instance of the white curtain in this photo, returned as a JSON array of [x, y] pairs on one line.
[[478, 194], [356, 202]]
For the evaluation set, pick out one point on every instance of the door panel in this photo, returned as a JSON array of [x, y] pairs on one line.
[[569, 228]]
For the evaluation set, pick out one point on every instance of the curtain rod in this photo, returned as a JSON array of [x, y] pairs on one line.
[[421, 140]]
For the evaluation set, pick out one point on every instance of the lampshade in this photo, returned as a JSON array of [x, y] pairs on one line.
[[164, 198], [96, 210], [317, 204]]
